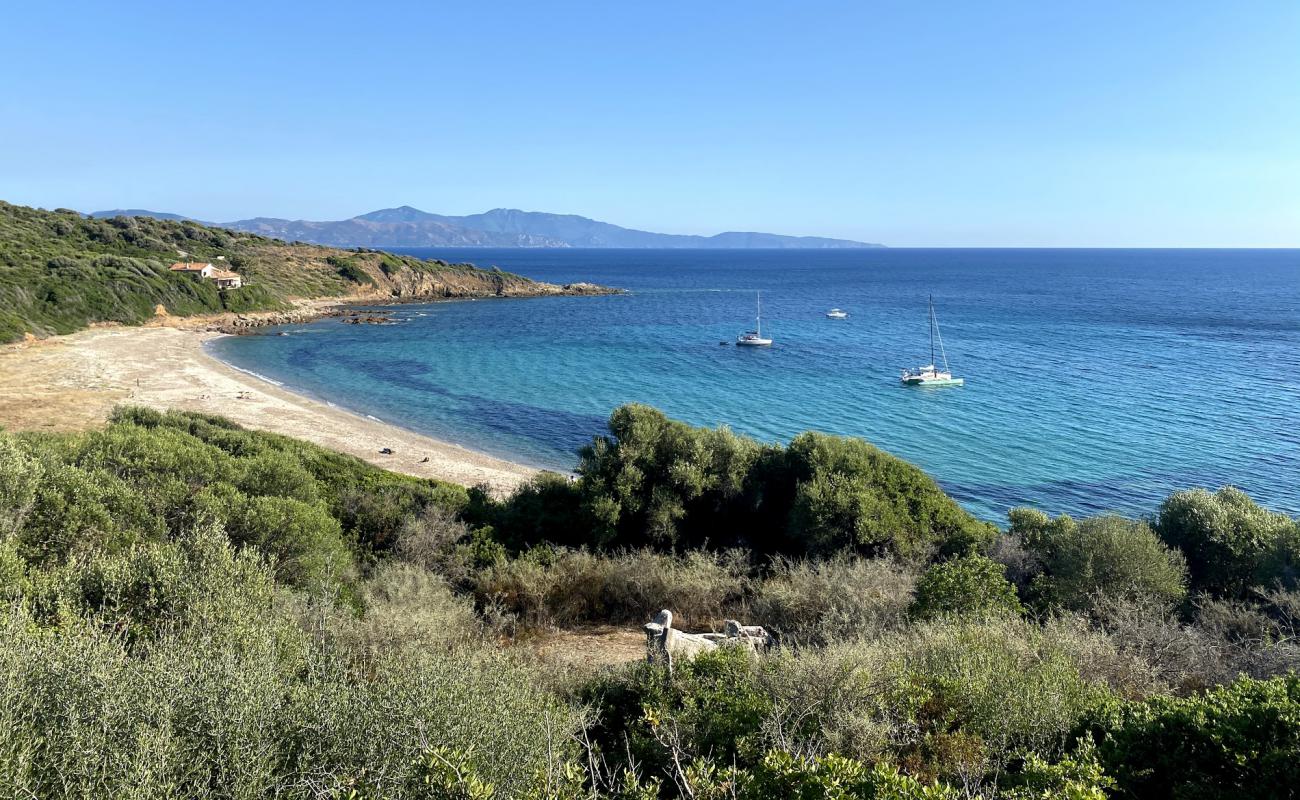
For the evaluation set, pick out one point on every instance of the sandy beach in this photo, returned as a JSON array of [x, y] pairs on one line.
[[73, 382]]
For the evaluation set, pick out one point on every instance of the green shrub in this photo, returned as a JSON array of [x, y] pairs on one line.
[[782, 774], [1007, 687], [967, 586], [303, 540], [851, 494], [659, 482], [1233, 741], [711, 707], [20, 479], [278, 474], [1225, 536], [180, 669], [655, 480], [547, 509], [78, 509], [350, 270], [1107, 557]]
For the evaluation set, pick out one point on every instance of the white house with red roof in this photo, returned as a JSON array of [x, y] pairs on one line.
[[199, 271]]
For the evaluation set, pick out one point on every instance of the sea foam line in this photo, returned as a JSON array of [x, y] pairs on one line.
[[257, 375]]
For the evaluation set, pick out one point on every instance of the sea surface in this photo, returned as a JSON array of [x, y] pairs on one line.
[[1096, 380]]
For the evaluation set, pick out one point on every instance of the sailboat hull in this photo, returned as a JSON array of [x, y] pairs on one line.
[[918, 381], [753, 342]]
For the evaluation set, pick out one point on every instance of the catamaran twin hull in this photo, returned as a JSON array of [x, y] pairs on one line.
[[913, 380], [929, 376]]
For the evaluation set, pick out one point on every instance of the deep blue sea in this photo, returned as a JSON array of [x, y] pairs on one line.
[[1096, 380]]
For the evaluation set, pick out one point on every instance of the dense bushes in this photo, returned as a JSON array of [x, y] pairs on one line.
[[228, 696], [1240, 740], [568, 587], [191, 609], [149, 476], [959, 702], [658, 482], [1102, 557], [844, 598], [1231, 543]]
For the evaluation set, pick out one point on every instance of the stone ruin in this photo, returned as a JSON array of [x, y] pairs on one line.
[[666, 645]]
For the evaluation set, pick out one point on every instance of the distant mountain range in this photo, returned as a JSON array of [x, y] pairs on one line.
[[500, 227]]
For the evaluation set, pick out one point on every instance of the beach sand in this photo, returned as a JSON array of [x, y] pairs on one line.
[[68, 383]]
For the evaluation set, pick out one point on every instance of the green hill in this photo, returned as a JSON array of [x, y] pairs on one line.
[[61, 271]]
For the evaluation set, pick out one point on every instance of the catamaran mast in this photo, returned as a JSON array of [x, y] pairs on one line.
[[932, 361]]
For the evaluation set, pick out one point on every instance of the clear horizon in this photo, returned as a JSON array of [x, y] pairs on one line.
[[1010, 125]]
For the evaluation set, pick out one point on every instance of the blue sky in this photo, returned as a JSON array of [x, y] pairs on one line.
[[910, 123]]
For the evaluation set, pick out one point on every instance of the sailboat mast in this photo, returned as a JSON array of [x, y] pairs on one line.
[[758, 317], [932, 329]]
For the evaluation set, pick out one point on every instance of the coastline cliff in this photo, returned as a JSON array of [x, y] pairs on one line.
[[61, 271]]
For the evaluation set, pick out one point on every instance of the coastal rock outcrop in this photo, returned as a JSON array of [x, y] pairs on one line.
[[452, 284], [667, 645]]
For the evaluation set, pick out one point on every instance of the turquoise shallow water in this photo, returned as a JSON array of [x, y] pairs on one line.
[[1095, 379]]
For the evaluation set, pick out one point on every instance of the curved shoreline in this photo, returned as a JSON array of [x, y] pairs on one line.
[[73, 382]]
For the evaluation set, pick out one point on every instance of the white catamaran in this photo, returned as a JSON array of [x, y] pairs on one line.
[[755, 338], [930, 375]]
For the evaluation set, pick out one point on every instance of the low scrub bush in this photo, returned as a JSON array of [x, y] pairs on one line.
[[842, 598], [549, 587]]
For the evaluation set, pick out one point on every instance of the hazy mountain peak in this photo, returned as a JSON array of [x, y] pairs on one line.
[[407, 226], [399, 214]]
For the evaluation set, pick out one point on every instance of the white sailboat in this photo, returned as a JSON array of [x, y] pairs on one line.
[[755, 338], [930, 375]]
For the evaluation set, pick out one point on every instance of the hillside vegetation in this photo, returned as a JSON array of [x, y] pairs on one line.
[[190, 609], [61, 271]]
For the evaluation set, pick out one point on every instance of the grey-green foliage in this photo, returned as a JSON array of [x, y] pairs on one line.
[[843, 598], [1010, 683], [20, 477], [226, 693], [1101, 557]]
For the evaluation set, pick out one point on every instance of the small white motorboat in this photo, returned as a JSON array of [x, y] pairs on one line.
[[835, 313]]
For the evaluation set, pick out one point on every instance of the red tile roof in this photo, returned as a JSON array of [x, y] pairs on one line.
[[189, 266]]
